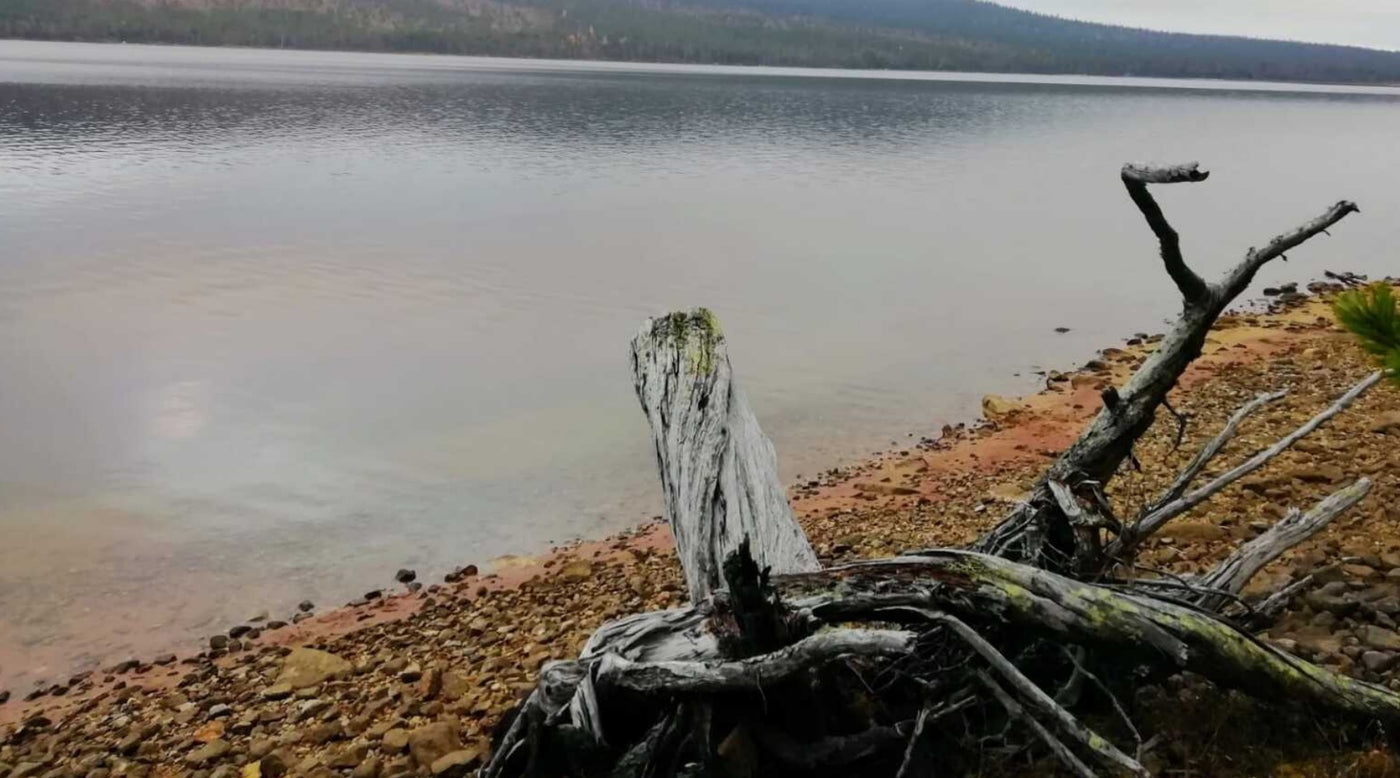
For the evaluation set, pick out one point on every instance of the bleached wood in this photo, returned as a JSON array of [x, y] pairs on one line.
[[1213, 448], [1135, 179], [719, 472], [1128, 412], [1235, 572], [1146, 526], [673, 678]]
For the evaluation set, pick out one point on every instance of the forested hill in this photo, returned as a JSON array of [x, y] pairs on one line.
[[909, 34]]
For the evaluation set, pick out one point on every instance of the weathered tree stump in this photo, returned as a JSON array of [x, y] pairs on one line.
[[780, 667]]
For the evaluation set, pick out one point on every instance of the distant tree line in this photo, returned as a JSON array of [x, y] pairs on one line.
[[896, 34]]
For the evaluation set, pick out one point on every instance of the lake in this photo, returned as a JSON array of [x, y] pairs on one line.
[[274, 324]]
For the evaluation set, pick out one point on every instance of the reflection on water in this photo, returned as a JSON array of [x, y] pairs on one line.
[[274, 324]]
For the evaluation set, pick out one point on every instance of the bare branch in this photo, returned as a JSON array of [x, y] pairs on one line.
[[1238, 279], [1212, 449], [1038, 699], [1014, 709], [1149, 524], [1164, 174], [1231, 575], [748, 674], [1136, 178]]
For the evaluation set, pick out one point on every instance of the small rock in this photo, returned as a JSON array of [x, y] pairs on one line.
[[395, 740], [1379, 638], [431, 742], [576, 572], [369, 768], [210, 752], [1388, 424], [411, 673], [455, 763], [164, 659], [1378, 661], [373, 594], [405, 575], [277, 691], [220, 711], [305, 667], [323, 733], [239, 631], [218, 642], [996, 408], [274, 765], [305, 606]]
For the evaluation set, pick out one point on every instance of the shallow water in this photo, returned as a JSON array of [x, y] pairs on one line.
[[273, 324]]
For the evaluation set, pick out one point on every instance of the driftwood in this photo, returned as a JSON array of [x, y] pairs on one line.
[[892, 666], [718, 471]]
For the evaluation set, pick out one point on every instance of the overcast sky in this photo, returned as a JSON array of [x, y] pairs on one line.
[[1374, 23]]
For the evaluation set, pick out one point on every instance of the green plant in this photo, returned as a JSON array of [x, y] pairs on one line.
[[1373, 316]]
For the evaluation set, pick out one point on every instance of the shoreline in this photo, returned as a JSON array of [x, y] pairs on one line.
[[530, 609], [1187, 83], [1041, 422]]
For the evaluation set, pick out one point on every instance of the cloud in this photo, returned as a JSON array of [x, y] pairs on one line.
[[1373, 23]]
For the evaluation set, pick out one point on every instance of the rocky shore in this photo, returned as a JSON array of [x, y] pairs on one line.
[[414, 681]]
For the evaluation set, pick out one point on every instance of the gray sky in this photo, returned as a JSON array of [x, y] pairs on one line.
[[1374, 23]]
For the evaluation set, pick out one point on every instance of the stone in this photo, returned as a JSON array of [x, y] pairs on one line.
[[277, 691], [395, 740], [1322, 474], [305, 606], [305, 667], [997, 409], [576, 572], [323, 733], [411, 673], [1331, 598], [431, 742], [1358, 571], [405, 575], [349, 756], [220, 711], [239, 631], [1189, 531], [431, 684], [218, 642], [1378, 661], [455, 763], [1379, 638], [274, 765], [210, 752], [369, 768], [1388, 424]]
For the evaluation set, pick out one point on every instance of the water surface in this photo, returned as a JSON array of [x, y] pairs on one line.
[[273, 324]]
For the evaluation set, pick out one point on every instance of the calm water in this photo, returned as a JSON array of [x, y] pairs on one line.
[[273, 324]]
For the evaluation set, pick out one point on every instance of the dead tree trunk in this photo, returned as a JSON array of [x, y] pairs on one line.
[[924, 639], [718, 471], [1038, 532]]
